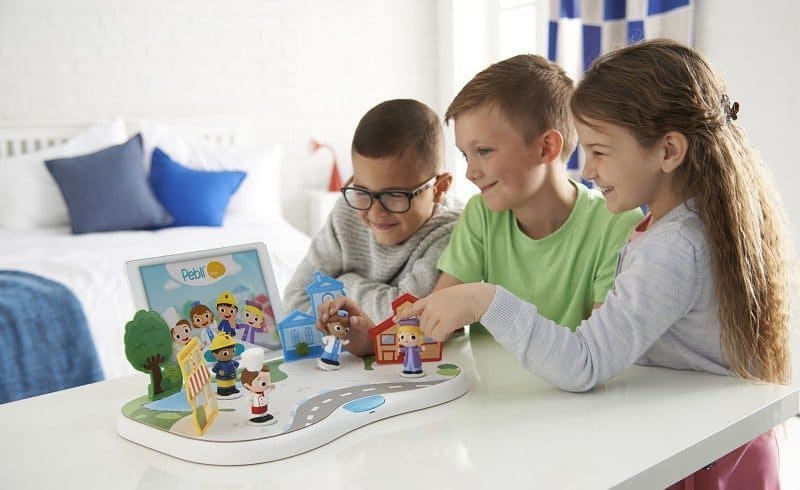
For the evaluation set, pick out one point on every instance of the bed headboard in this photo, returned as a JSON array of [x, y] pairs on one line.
[[222, 130], [22, 140]]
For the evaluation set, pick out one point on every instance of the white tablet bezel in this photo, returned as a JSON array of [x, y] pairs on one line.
[[134, 276]]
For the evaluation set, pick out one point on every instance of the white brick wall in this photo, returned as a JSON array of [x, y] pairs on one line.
[[301, 68]]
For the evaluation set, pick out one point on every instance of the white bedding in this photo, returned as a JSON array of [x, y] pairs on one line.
[[92, 266]]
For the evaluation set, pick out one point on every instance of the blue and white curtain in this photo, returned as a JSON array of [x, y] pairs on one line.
[[580, 30]]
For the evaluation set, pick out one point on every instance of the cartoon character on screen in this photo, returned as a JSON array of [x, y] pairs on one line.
[[228, 311], [253, 321], [202, 319], [223, 349], [338, 328], [256, 380], [181, 335], [410, 340]]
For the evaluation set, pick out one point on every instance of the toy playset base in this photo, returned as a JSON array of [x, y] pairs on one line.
[[312, 407], [252, 413]]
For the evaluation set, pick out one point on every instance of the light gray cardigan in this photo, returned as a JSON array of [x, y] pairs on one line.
[[662, 311], [374, 275]]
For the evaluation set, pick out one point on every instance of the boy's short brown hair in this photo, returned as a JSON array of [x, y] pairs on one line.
[[392, 127], [532, 93]]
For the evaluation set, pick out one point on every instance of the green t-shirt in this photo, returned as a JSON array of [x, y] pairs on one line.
[[563, 274]]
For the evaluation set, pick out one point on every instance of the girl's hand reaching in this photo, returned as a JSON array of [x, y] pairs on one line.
[[448, 309]]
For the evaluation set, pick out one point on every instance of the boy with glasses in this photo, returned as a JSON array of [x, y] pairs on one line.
[[533, 230], [384, 236]]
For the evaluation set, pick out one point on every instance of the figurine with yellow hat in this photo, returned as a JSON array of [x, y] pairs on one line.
[[223, 349], [228, 310]]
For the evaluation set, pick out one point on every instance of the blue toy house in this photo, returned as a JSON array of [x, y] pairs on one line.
[[323, 288], [300, 338]]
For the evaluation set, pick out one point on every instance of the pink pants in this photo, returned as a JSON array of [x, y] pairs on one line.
[[753, 466]]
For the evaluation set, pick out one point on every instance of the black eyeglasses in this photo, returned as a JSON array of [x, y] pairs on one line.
[[393, 201]]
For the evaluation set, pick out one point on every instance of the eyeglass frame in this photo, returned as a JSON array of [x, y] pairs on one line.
[[376, 196]]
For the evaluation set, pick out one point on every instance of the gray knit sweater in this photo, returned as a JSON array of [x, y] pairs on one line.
[[373, 274], [662, 311]]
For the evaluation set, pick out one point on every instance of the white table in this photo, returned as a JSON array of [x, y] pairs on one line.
[[645, 429]]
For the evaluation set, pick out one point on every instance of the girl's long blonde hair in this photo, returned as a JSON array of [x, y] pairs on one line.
[[659, 86]]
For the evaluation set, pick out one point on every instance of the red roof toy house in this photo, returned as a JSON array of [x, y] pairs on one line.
[[384, 336]]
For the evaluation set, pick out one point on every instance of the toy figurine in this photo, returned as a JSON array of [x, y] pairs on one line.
[[181, 335], [227, 309], [223, 349], [256, 379], [410, 339], [338, 328], [202, 319], [253, 321]]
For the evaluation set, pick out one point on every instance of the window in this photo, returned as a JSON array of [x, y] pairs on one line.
[[475, 34], [387, 339], [516, 27]]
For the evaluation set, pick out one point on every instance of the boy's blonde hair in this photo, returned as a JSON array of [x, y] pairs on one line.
[[395, 126], [659, 86], [530, 91]]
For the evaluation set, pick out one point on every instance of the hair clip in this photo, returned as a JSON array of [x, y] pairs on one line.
[[731, 110]]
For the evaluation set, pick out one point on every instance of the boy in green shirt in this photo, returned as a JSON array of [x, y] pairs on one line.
[[531, 229]]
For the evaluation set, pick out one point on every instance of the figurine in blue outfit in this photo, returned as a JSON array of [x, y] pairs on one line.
[[228, 311], [224, 348], [338, 328]]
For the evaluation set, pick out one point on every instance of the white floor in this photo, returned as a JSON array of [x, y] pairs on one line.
[[789, 443]]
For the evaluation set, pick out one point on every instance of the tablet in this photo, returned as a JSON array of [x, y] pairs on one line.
[[230, 288]]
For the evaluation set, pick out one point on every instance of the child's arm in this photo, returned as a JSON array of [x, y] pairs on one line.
[[446, 280], [446, 310], [657, 288], [375, 298]]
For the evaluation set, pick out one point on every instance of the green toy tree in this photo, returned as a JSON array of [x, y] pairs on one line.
[[148, 346]]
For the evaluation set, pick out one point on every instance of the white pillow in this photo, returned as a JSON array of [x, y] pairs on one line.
[[259, 194], [29, 196]]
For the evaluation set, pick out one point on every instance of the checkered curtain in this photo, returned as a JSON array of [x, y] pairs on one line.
[[580, 30]]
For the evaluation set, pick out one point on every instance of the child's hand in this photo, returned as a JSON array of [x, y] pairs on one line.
[[360, 343], [358, 319], [448, 309]]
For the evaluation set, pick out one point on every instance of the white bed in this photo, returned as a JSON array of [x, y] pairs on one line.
[[92, 265]]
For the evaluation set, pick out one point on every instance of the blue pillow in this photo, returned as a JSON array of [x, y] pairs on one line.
[[193, 197], [107, 190]]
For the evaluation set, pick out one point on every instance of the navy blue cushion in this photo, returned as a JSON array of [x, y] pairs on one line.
[[192, 197], [108, 190]]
